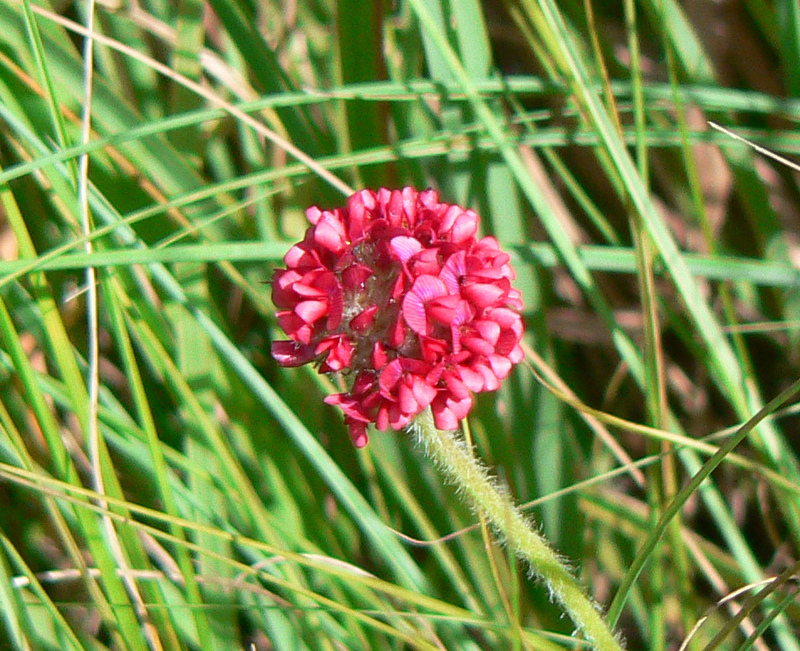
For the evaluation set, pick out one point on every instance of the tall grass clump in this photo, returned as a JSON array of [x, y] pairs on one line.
[[166, 484]]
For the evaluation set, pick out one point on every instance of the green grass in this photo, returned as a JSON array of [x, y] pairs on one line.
[[165, 485]]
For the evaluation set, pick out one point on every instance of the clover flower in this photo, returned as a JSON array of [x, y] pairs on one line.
[[396, 291]]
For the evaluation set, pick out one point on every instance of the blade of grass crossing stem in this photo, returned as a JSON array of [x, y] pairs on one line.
[[409, 500]]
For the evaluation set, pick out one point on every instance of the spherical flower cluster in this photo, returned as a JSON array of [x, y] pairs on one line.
[[396, 290]]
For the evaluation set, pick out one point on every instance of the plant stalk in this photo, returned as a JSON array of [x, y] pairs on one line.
[[454, 458]]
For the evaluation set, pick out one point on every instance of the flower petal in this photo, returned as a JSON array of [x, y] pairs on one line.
[[403, 247], [310, 311], [329, 234], [465, 227], [424, 289], [483, 295], [390, 376], [364, 319], [288, 353], [453, 270]]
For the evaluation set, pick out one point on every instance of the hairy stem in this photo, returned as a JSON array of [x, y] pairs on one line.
[[453, 457]]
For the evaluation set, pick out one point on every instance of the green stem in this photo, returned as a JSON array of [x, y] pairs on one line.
[[454, 458]]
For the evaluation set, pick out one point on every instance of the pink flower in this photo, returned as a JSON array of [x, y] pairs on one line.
[[396, 291]]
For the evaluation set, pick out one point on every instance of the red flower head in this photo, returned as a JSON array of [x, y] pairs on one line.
[[396, 290]]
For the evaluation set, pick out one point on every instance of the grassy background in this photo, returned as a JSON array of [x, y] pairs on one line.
[[164, 485]]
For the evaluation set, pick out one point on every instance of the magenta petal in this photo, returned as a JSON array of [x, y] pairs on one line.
[[329, 234], [394, 208], [443, 310], [491, 383], [483, 295], [425, 289], [310, 311], [365, 319], [358, 434], [294, 256], [444, 418], [286, 278], [408, 403], [428, 198], [460, 408], [464, 313], [489, 330], [473, 381], [477, 345], [505, 317], [514, 299], [357, 217], [465, 227], [455, 337], [429, 287], [410, 205], [397, 333], [453, 270], [355, 275], [382, 419], [414, 313], [432, 349], [451, 214], [398, 418], [289, 322], [506, 343], [307, 291], [501, 366], [288, 353], [404, 247], [390, 376], [313, 214], [457, 388], [424, 393], [335, 307], [379, 357]]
